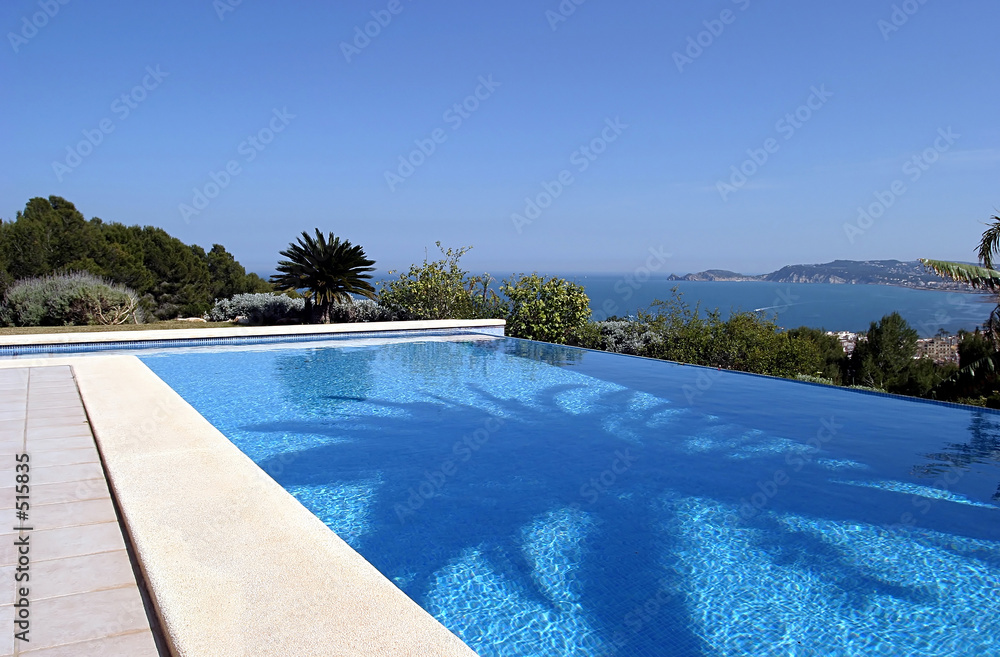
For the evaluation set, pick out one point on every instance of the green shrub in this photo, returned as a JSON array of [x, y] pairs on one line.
[[865, 388], [548, 310], [684, 335], [627, 337], [441, 290], [360, 310], [589, 336], [991, 401], [815, 379], [269, 309], [69, 299], [259, 309]]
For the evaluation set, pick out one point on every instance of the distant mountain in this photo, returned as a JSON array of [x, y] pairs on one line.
[[853, 272], [716, 275]]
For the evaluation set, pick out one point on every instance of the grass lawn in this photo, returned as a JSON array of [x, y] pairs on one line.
[[32, 330]]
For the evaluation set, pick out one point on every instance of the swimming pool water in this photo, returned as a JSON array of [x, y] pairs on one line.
[[544, 500]]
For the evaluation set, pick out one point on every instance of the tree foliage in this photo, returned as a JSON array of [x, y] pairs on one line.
[[883, 360], [50, 236], [229, 277], [831, 353]]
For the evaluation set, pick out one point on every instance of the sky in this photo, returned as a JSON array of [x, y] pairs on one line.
[[572, 136]]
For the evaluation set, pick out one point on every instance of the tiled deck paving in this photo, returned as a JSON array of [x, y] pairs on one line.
[[84, 600]]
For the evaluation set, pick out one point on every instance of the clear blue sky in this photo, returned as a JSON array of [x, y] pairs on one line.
[[346, 123]]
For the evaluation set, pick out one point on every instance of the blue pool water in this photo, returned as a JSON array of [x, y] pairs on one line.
[[543, 500]]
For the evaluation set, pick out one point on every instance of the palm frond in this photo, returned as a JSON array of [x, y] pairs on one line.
[[988, 363], [990, 243], [982, 278]]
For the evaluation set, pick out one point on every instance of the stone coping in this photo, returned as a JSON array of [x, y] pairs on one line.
[[235, 565], [244, 332]]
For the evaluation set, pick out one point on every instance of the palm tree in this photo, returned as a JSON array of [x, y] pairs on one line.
[[982, 277], [329, 269]]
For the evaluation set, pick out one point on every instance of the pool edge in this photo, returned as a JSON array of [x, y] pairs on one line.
[[492, 326]]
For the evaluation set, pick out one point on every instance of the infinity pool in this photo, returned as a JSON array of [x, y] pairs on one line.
[[544, 500]]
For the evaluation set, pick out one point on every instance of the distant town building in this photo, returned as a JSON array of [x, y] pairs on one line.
[[940, 349], [848, 340]]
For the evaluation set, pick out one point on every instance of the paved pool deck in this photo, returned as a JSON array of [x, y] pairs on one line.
[[82, 596], [230, 562]]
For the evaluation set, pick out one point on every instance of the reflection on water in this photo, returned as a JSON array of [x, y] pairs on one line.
[[953, 461], [544, 510]]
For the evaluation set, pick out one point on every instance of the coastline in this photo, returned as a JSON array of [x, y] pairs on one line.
[[846, 306], [961, 290]]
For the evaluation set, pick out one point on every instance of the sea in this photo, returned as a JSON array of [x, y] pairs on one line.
[[817, 305]]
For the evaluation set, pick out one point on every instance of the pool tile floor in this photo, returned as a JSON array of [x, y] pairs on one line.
[[83, 596]]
